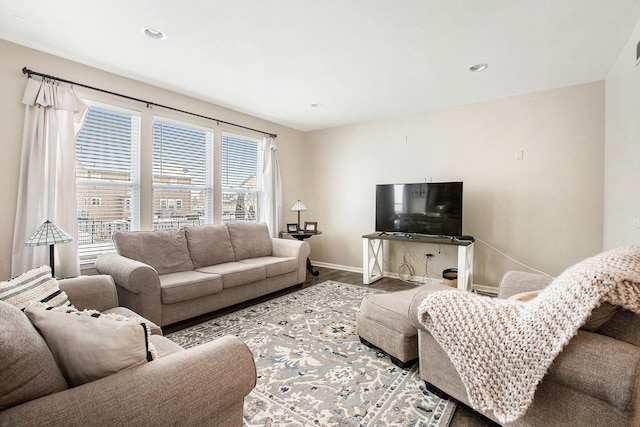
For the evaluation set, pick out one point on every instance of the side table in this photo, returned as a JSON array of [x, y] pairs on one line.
[[302, 236]]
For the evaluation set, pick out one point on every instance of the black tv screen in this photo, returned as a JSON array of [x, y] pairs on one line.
[[433, 208]]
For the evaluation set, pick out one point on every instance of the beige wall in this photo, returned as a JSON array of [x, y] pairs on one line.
[[12, 82], [622, 154], [545, 210]]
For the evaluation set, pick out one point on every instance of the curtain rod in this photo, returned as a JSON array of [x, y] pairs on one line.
[[25, 70]]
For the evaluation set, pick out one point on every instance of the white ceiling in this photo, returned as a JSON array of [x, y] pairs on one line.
[[362, 59]]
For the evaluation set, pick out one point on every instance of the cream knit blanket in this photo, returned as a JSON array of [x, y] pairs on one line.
[[502, 349]]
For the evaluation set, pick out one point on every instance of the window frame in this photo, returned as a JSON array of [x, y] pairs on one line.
[[208, 188], [224, 189], [88, 252]]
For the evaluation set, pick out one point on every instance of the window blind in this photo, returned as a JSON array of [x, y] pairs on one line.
[[241, 178], [106, 179], [182, 174]]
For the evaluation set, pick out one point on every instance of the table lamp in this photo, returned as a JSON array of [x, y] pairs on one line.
[[48, 234], [298, 207]]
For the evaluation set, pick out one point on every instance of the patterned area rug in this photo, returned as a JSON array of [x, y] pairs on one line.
[[312, 368]]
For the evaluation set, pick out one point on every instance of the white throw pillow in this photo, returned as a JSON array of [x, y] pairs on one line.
[[34, 285]]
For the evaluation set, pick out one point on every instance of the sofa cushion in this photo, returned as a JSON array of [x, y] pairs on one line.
[[88, 345], [164, 250], [249, 239], [209, 244], [124, 311], [274, 266], [599, 315], [236, 273], [164, 346], [28, 370], [34, 285], [186, 285]]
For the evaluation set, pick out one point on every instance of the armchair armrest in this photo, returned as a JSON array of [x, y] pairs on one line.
[[91, 292], [204, 385], [515, 282], [138, 284]]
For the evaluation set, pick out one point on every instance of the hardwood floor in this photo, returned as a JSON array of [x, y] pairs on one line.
[[463, 417]]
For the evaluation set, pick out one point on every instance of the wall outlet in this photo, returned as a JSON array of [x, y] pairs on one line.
[[428, 256]]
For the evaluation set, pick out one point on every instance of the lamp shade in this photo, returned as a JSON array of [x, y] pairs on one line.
[[48, 234], [298, 206]]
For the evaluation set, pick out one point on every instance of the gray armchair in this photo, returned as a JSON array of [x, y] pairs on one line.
[[594, 381], [205, 385]]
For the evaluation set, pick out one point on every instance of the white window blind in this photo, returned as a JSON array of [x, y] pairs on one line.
[[241, 178], [182, 174], [107, 178]]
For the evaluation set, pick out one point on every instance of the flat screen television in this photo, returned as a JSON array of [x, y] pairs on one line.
[[433, 208]]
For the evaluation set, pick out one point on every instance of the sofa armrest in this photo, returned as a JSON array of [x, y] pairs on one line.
[[204, 385], [515, 282], [289, 248], [600, 366], [292, 248], [417, 299], [138, 284], [91, 292]]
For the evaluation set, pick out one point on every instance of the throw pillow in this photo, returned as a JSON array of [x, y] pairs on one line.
[[35, 285], [599, 315], [27, 367], [88, 345]]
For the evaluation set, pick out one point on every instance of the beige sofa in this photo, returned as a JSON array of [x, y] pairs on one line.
[[205, 385], [595, 381], [172, 275]]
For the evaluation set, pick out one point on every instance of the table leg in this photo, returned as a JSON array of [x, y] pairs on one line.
[[310, 268]]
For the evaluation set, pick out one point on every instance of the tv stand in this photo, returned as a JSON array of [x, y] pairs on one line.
[[372, 255]]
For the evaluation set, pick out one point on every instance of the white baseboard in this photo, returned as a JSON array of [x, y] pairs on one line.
[[337, 266], [391, 275]]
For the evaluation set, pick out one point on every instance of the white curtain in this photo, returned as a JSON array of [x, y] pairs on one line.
[[271, 186], [46, 188]]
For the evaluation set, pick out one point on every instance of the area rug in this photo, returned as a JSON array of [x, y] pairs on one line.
[[312, 368]]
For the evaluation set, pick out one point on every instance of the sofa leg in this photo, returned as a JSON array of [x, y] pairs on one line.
[[365, 342], [400, 364], [435, 390]]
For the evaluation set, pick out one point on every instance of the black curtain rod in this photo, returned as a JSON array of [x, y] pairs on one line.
[[29, 72]]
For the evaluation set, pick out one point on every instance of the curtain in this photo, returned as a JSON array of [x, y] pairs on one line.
[[46, 187], [271, 186]]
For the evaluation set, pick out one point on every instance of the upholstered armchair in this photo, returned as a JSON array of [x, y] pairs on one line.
[[594, 381], [204, 385]]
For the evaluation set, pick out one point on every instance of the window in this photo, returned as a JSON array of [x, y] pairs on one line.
[[182, 174], [106, 178], [241, 178]]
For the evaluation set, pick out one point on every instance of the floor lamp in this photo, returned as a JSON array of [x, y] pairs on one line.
[[49, 234]]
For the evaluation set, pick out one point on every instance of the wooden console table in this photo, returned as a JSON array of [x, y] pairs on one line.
[[372, 255]]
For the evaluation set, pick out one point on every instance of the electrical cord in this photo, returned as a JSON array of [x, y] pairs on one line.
[[405, 265], [427, 279], [512, 259]]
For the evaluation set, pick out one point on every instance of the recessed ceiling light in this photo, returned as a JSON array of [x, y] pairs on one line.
[[317, 105], [478, 67], [154, 33]]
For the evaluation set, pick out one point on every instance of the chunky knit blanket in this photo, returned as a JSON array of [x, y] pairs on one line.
[[502, 349]]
